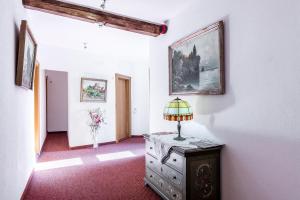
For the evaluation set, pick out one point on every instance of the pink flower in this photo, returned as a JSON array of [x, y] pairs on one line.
[[96, 118]]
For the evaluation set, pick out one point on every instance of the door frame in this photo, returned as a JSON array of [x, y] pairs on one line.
[[128, 81], [36, 90]]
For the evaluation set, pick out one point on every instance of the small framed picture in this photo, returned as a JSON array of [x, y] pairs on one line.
[[93, 90], [26, 57]]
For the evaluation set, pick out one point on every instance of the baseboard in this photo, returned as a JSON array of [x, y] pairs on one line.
[[104, 143], [27, 186], [131, 136], [90, 145], [53, 132], [137, 136]]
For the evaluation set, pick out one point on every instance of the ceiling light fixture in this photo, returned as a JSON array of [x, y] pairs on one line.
[[101, 24], [102, 6], [85, 45]]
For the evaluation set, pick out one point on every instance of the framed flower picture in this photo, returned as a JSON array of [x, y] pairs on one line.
[[196, 63], [93, 90], [26, 57]]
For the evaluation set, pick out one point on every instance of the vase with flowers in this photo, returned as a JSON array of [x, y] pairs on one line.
[[95, 123]]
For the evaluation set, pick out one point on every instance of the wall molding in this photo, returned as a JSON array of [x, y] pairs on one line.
[[103, 143], [90, 145]]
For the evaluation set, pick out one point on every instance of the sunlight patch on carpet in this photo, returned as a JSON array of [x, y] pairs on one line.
[[115, 156], [58, 164]]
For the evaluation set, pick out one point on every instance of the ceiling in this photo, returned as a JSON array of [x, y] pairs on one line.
[[65, 32], [151, 10]]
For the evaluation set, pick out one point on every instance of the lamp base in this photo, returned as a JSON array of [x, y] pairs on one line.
[[179, 138]]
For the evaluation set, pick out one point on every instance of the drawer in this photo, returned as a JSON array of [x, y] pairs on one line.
[[152, 177], [172, 176], [176, 161], [156, 180], [163, 185], [152, 163], [172, 193], [150, 148]]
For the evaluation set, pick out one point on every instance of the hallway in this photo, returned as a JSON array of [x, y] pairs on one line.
[[113, 171], [56, 142]]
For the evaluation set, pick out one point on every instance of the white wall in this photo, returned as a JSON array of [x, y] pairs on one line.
[[258, 117], [109, 51], [57, 101], [140, 99], [17, 155], [82, 63]]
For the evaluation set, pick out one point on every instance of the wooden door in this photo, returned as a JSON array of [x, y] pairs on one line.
[[36, 89], [123, 107]]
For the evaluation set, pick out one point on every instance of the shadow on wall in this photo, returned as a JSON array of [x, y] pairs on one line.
[[255, 162], [207, 106], [16, 32]]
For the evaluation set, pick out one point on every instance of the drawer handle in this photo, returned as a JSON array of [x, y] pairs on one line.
[[174, 160], [174, 177], [151, 148]]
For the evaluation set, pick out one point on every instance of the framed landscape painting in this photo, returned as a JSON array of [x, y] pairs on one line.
[[26, 57], [196, 63], [93, 90]]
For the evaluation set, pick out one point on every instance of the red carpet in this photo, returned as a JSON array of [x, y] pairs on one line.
[[56, 142], [93, 179]]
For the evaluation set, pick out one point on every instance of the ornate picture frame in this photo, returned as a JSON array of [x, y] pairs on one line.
[[196, 63], [93, 90], [26, 57]]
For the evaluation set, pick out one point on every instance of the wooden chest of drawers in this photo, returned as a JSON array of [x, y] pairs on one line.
[[184, 174]]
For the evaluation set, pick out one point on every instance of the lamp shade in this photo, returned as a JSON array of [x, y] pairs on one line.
[[178, 110]]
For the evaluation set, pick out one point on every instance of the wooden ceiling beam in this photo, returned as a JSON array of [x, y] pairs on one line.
[[92, 15]]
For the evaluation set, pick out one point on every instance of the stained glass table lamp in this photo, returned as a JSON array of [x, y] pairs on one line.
[[178, 110]]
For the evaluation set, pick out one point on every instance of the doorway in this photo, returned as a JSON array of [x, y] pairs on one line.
[[123, 107], [56, 110]]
